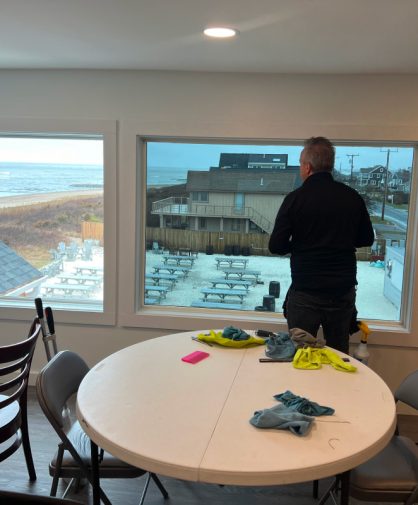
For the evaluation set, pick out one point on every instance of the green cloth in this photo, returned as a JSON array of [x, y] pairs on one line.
[[231, 337], [310, 358]]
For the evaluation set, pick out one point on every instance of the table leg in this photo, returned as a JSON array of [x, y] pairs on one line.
[[345, 488], [95, 472]]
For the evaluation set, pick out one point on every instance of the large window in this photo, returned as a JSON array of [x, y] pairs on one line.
[[51, 220], [227, 264]]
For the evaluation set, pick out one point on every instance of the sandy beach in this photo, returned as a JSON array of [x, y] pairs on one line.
[[35, 198]]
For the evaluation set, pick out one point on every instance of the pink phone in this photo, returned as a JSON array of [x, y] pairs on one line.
[[195, 357]]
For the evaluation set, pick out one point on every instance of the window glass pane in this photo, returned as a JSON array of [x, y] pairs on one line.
[[51, 221], [193, 266]]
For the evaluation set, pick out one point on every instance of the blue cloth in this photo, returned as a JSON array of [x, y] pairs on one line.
[[280, 347], [235, 333], [281, 418], [303, 405]]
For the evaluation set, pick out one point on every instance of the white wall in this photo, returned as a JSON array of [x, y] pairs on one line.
[[214, 105]]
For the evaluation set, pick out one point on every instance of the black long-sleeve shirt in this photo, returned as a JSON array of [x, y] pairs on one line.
[[321, 224]]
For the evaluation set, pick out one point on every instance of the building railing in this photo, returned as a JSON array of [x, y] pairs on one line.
[[169, 205], [181, 206]]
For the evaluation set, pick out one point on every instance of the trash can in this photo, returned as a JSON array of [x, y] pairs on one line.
[[274, 289], [245, 251], [269, 303], [228, 250], [236, 250], [209, 249]]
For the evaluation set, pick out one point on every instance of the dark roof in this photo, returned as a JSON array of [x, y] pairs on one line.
[[14, 270], [243, 181], [268, 158], [242, 160], [369, 170]]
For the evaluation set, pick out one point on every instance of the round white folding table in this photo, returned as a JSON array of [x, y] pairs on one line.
[[146, 406]]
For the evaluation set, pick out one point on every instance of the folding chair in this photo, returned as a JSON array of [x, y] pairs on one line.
[[391, 475], [56, 384], [13, 498]]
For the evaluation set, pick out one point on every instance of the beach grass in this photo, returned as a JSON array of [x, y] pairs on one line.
[[32, 230]]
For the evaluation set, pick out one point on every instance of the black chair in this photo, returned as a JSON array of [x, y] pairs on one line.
[[15, 363], [391, 475], [56, 384], [13, 498]]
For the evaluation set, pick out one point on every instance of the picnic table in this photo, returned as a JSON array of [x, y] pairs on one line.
[[157, 279], [159, 291], [80, 279], [231, 283], [223, 293], [90, 269], [186, 251], [172, 269], [68, 289], [240, 274], [151, 301], [178, 259], [204, 304], [231, 262]]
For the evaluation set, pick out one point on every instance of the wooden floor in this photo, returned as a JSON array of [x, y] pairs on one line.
[[13, 476]]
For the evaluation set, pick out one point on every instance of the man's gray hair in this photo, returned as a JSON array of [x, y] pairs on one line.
[[320, 153]]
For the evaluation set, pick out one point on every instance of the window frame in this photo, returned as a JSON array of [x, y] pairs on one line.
[[133, 188], [69, 128]]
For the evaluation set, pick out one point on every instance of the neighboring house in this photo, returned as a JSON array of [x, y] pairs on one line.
[[373, 176], [17, 276], [401, 181], [229, 199]]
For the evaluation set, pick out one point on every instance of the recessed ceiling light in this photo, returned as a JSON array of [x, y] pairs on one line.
[[220, 32]]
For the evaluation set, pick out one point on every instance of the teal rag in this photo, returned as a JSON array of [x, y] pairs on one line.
[[235, 333], [280, 347], [281, 418], [303, 405]]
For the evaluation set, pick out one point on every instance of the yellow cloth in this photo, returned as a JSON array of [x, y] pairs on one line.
[[310, 358], [217, 338]]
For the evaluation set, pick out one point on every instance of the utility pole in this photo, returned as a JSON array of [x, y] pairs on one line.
[[385, 192], [351, 156], [337, 172]]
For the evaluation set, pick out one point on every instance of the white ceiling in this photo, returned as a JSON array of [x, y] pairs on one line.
[[280, 36]]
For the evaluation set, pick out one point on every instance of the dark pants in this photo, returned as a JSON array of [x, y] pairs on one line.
[[308, 312]]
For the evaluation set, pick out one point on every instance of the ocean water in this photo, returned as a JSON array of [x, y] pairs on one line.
[[29, 178], [166, 176]]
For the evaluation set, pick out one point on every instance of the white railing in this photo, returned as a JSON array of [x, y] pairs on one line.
[[181, 206]]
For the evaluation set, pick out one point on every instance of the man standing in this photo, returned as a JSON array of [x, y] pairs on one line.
[[321, 224]]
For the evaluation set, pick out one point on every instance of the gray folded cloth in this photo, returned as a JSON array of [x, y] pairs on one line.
[[303, 405], [280, 347], [302, 338], [280, 417]]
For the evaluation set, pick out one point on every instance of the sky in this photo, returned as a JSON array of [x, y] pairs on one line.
[[186, 155], [203, 156], [48, 150]]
